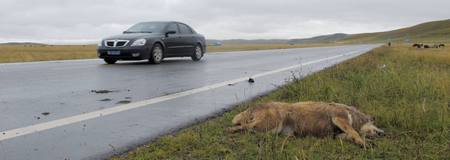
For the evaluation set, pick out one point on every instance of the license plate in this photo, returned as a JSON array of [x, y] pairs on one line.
[[114, 53]]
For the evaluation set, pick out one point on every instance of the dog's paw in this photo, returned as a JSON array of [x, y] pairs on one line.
[[368, 144], [229, 130], [232, 129]]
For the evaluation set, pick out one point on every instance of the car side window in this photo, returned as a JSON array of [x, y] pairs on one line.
[[185, 29], [173, 27]]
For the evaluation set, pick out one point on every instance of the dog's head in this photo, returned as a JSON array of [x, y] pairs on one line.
[[369, 130], [241, 118]]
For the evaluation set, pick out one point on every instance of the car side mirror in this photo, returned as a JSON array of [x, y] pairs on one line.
[[170, 32]]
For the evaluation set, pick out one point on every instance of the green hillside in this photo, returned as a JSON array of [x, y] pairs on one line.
[[320, 39], [436, 31]]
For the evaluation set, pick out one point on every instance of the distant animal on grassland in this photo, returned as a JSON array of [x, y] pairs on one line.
[[308, 118], [416, 45], [426, 46], [441, 45]]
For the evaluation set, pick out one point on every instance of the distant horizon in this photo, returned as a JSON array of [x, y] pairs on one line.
[[87, 21], [91, 42], [95, 41]]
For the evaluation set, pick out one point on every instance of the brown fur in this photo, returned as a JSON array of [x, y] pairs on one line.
[[308, 118]]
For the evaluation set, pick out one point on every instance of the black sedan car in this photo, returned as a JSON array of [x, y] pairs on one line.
[[153, 41]]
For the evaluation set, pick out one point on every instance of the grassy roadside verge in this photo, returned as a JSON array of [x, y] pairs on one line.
[[29, 53], [406, 89]]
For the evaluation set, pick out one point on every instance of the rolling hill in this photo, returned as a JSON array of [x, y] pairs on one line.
[[436, 31], [320, 39], [430, 32]]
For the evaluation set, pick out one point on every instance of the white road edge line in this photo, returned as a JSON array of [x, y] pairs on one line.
[[13, 133]]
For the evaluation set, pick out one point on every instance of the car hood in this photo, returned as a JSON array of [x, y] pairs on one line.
[[132, 36]]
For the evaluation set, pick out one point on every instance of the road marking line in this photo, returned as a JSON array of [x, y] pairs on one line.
[[13, 133]]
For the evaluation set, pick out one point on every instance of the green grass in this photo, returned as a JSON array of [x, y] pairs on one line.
[[406, 89]]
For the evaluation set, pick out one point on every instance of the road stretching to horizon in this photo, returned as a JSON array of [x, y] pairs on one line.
[[84, 109]]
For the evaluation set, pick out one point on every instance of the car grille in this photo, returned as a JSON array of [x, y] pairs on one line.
[[110, 44], [121, 43], [116, 43]]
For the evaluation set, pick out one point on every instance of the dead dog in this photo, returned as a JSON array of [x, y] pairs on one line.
[[308, 118]]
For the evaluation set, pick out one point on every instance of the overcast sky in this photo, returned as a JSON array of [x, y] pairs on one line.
[[75, 21]]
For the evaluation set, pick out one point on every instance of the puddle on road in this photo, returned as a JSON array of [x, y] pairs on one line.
[[105, 100], [106, 91], [123, 102], [103, 91]]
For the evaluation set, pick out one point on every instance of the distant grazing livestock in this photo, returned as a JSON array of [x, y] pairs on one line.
[[416, 45], [420, 45]]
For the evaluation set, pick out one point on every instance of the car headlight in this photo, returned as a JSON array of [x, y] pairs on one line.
[[99, 44], [139, 42]]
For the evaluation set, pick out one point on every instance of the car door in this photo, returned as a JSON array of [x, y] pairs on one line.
[[187, 38], [173, 42]]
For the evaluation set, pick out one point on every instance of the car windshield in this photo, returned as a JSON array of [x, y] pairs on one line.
[[147, 27]]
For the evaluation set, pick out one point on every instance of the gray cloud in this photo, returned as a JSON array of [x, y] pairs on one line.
[[87, 20]]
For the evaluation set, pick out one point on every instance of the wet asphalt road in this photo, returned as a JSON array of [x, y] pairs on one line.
[[142, 101]]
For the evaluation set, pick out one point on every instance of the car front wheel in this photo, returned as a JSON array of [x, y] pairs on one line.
[[156, 54], [110, 61], [198, 53]]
